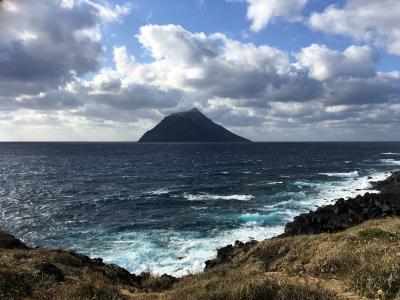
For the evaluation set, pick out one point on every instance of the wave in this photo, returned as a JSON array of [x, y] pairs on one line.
[[390, 153], [333, 190], [343, 174], [391, 162], [271, 218], [274, 182], [161, 191], [256, 217], [204, 197], [175, 253]]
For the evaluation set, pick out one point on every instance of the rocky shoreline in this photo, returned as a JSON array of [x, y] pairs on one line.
[[332, 218], [37, 273], [346, 213]]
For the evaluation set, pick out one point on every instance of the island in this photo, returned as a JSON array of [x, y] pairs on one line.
[[190, 127]]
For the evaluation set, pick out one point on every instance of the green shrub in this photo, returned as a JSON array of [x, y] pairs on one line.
[[375, 233]]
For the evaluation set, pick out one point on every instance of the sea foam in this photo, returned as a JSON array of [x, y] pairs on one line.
[[178, 253], [204, 197], [391, 162], [342, 174]]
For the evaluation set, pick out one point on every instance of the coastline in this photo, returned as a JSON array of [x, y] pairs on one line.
[[341, 215], [58, 265]]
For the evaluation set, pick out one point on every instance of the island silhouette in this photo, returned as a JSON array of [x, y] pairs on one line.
[[190, 126]]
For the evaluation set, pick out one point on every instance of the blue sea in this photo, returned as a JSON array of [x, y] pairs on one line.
[[166, 208]]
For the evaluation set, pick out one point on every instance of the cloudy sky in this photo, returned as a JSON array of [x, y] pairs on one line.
[[270, 70]]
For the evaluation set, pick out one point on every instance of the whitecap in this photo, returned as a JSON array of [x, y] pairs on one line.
[[161, 191], [390, 162], [341, 174], [277, 205], [204, 197], [274, 182], [390, 153], [199, 208], [333, 190]]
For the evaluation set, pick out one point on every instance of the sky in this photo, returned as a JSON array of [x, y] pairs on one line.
[[269, 70]]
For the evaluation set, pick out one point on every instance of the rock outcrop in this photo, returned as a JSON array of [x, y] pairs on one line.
[[37, 273], [346, 213], [189, 126], [8, 241], [225, 254], [390, 185]]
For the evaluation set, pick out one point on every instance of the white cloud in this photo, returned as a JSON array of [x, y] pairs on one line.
[[210, 65], [243, 85], [174, 43], [324, 63], [110, 12], [375, 21], [262, 12]]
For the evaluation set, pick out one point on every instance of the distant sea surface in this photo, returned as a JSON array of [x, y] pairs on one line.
[[165, 208]]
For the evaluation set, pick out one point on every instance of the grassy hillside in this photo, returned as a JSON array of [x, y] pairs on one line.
[[363, 261]]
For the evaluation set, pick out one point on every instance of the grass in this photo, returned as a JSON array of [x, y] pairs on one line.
[[20, 277], [363, 260], [375, 233], [156, 283], [248, 282]]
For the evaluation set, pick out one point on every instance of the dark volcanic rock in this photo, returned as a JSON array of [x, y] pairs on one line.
[[7, 241], [390, 185], [118, 274], [225, 254], [346, 213], [189, 126]]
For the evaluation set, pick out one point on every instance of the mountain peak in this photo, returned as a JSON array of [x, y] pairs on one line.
[[189, 126]]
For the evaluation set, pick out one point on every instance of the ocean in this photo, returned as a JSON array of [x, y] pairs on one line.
[[166, 208]]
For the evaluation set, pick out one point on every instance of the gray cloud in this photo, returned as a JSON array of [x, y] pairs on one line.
[[378, 89], [38, 52], [256, 90]]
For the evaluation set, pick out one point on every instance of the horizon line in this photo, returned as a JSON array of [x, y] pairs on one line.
[[137, 142]]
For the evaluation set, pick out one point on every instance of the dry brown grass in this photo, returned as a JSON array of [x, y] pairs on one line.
[[363, 260], [366, 257], [21, 279], [248, 282]]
